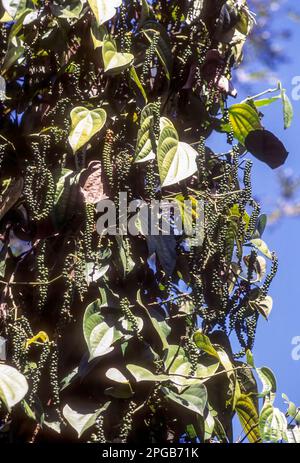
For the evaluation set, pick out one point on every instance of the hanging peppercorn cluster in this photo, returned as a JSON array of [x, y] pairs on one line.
[[39, 188]]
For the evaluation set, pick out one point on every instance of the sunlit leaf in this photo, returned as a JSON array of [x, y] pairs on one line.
[[41, 336], [85, 124], [259, 266], [203, 342], [104, 10], [114, 62], [144, 149], [2, 89], [243, 119], [263, 306], [249, 418], [69, 10], [6, 18], [14, 7], [194, 398], [82, 422], [293, 435], [250, 358], [99, 336], [268, 380], [115, 375], [262, 247], [292, 410], [98, 34], [288, 111], [142, 374], [176, 160], [135, 78], [266, 101], [101, 339], [272, 424], [13, 386]]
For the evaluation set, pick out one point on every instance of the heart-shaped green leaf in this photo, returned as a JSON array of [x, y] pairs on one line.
[[114, 61], [13, 386], [104, 10], [99, 336], [144, 151], [243, 119], [85, 124], [176, 160], [101, 340], [82, 422]]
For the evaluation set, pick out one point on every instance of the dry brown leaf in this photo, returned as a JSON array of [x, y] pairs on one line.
[[91, 184]]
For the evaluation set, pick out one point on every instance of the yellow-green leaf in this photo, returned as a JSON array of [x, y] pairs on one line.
[[13, 386], [249, 418], [288, 111], [115, 375], [114, 61], [272, 424], [262, 247], [243, 119], [98, 34], [142, 374], [203, 342], [135, 78], [85, 124], [104, 10], [82, 422], [176, 160], [14, 7], [143, 151]]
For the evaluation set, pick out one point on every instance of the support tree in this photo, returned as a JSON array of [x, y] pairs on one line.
[[119, 337]]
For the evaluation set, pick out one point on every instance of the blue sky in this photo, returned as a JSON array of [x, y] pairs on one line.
[[274, 338], [273, 347]]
